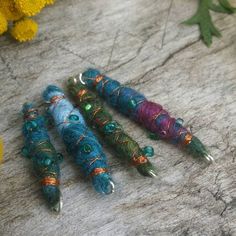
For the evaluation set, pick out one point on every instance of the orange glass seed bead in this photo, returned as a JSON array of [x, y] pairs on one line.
[[139, 160], [98, 171], [188, 139], [82, 92], [98, 79], [50, 181]]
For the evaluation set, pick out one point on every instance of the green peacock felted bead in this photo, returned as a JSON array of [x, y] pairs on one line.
[[45, 159], [110, 129]]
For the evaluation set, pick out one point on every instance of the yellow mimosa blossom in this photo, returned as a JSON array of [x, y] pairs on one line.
[[1, 150], [3, 23], [8, 8], [30, 7], [24, 30], [17, 11], [49, 2]]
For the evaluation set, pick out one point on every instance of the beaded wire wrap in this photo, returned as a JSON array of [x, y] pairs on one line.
[[44, 157], [79, 139], [111, 130], [149, 114]]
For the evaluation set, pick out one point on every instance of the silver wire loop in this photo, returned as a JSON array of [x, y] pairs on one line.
[[80, 79]]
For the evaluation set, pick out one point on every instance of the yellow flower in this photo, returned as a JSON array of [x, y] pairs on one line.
[[24, 30], [8, 8], [3, 23], [49, 2], [30, 7]]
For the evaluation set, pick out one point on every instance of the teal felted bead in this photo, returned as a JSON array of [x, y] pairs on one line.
[[73, 118], [148, 151], [75, 134], [39, 149], [110, 127], [125, 147], [150, 115]]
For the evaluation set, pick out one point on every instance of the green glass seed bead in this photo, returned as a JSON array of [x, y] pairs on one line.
[[73, 118], [132, 103], [87, 148], [148, 151], [88, 107]]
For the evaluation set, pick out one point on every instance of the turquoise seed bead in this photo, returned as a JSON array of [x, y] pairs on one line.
[[73, 118], [179, 121], [47, 162], [87, 148], [30, 125], [24, 152], [110, 127], [34, 124], [148, 151]]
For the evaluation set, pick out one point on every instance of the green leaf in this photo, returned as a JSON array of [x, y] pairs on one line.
[[225, 4], [203, 18], [192, 21], [219, 8]]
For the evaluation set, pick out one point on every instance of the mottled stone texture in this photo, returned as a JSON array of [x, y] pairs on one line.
[[142, 44]]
